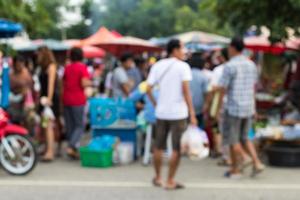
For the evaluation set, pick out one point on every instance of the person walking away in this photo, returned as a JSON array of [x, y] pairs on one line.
[[121, 84], [216, 101], [199, 87], [50, 100], [239, 79], [173, 107], [76, 78]]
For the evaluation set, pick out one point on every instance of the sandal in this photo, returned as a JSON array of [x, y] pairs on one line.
[[257, 170], [177, 186], [156, 183], [46, 160], [72, 154], [223, 163], [233, 176]]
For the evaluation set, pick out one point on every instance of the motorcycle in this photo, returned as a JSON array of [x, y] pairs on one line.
[[17, 153]]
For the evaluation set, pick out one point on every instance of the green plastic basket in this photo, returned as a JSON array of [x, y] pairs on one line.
[[91, 158]]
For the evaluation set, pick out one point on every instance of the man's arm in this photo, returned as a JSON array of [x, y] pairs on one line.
[[126, 89], [86, 82], [222, 86], [189, 102], [150, 95], [222, 91]]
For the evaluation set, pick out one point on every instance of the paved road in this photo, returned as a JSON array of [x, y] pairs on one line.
[[68, 180]]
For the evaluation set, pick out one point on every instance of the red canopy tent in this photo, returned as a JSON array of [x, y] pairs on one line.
[[116, 44], [116, 34], [102, 35], [88, 51], [128, 44], [262, 43], [93, 52]]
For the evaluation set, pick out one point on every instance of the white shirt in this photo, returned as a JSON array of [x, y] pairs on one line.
[[208, 74], [216, 75], [171, 104]]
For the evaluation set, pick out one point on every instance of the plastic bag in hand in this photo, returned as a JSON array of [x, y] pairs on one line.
[[194, 143], [48, 113]]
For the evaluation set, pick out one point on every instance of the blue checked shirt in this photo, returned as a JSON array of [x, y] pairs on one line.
[[239, 78]]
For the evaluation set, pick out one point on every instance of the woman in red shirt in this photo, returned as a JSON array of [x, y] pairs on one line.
[[75, 80]]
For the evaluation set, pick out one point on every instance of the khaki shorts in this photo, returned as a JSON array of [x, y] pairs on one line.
[[235, 129], [164, 127]]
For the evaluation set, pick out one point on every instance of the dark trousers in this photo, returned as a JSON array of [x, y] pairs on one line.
[[74, 116]]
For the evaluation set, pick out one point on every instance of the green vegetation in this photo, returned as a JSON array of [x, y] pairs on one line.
[[39, 17], [155, 18], [275, 15]]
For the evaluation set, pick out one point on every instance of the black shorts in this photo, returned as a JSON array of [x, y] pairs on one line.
[[163, 127]]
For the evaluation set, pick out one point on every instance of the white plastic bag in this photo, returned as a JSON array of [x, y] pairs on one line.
[[194, 143], [48, 113], [124, 153]]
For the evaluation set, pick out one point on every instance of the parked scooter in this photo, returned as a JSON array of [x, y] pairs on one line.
[[17, 153]]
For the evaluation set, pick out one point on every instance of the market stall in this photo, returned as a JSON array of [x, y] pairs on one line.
[[261, 43], [102, 35], [277, 126], [7, 29], [128, 44], [89, 52], [196, 41], [29, 47], [113, 126]]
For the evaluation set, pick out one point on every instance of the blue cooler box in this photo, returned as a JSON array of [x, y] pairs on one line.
[[114, 117]]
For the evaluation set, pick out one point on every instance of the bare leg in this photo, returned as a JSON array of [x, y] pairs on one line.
[[49, 155], [226, 159], [173, 166], [244, 154], [235, 152], [218, 143], [157, 157], [252, 151]]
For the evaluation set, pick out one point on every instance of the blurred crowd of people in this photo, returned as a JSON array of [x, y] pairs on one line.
[[213, 90]]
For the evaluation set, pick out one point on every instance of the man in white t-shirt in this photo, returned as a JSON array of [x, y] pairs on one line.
[[173, 107]]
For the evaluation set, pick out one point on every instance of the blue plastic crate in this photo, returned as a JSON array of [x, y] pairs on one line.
[[105, 111], [124, 134]]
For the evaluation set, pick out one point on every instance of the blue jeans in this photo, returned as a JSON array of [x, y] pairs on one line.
[[74, 116]]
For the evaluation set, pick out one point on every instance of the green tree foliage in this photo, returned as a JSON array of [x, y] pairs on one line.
[[81, 30], [149, 18], [39, 17], [144, 18], [275, 15], [202, 19]]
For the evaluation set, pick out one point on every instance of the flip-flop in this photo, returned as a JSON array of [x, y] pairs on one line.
[[258, 171], [156, 184], [232, 176], [177, 186], [73, 156], [223, 163], [46, 160]]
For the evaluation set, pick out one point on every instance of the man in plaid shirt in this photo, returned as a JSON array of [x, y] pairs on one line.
[[238, 80]]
